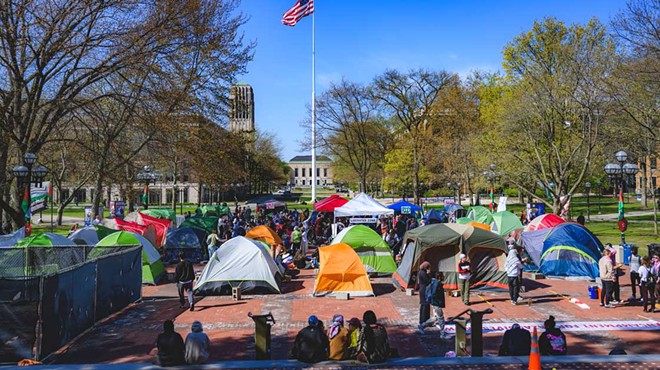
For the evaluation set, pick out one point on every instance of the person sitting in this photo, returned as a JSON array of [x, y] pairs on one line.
[[552, 342], [339, 339], [311, 344], [373, 346], [197, 345], [170, 346], [354, 328], [516, 342]]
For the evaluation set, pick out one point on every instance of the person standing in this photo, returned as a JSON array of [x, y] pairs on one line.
[[213, 242], [183, 276], [423, 280], [464, 273], [513, 268], [170, 346], [296, 238], [435, 295], [197, 345], [647, 285], [634, 262], [607, 278], [655, 273]]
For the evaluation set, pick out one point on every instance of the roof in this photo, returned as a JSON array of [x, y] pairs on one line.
[[241, 83], [308, 158]]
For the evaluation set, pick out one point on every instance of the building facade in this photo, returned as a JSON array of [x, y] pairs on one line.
[[301, 171], [241, 108], [649, 166]]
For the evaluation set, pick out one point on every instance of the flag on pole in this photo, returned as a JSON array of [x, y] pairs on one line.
[[25, 205], [492, 199], [301, 9], [620, 204], [145, 196]]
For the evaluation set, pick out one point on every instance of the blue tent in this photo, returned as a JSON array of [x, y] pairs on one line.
[[434, 217], [453, 207], [401, 206], [190, 241], [568, 249]]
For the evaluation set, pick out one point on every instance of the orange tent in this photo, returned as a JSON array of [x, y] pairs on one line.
[[341, 271], [479, 225], [264, 234]]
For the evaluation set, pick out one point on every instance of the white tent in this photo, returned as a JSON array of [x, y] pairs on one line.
[[85, 236], [362, 205], [239, 262]]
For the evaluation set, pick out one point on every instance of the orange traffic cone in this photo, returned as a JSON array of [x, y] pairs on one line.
[[534, 355]]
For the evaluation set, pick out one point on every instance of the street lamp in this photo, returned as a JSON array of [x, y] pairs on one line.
[[619, 173], [587, 186], [25, 176], [147, 176], [492, 177]]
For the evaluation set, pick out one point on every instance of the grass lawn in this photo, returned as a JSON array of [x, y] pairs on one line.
[[640, 234]]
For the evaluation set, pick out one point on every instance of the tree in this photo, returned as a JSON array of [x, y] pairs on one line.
[[349, 129], [410, 98], [555, 105]]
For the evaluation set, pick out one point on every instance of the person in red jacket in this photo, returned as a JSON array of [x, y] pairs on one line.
[[464, 273]]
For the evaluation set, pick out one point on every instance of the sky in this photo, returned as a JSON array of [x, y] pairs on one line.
[[359, 40]]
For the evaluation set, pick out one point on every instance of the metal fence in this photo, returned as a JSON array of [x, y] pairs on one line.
[[49, 295]]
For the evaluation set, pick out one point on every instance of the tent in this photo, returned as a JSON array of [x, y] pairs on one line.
[[148, 231], [90, 235], [441, 244], [45, 240], [373, 251], [479, 225], [404, 207], [187, 240], [566, 250], [544, 221], [160, 226], [264, 234], [454, 208], [362, 205], [480, 214], [504, 223], [207, 224], [434, 217], [466, 220], [213, 211], [341, 271], [239, 262], [152, 267], [162, 213], [330, 203], [10, 240]]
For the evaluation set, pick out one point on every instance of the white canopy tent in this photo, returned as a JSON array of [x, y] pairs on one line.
[[362, 205]]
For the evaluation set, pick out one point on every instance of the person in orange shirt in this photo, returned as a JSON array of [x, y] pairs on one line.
[[339, 339]]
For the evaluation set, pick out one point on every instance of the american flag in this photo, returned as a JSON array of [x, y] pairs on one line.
[[297, 12]]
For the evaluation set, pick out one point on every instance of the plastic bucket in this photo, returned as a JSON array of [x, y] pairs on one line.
[[593, 292]]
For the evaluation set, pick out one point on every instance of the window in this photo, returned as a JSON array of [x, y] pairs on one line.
[[303, 173], [303, 181], [310, 172], [318, 182], [295, 172], [325, 172], [318, 172]]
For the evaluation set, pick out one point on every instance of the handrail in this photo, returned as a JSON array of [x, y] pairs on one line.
[[472, 312]]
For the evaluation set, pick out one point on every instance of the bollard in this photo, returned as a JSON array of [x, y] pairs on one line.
[[461, 337], [262, 324], [477, 320]]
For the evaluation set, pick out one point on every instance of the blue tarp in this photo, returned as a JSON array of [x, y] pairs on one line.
[[398, 205]]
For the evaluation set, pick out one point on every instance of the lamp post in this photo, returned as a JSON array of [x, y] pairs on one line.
[[491, 176], [619, 173], [25, 176], [600, 187], [587, 186], [455, 187], [147, 176]]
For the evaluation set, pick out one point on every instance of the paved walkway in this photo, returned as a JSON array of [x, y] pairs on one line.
[[614, 216], [130, 337]]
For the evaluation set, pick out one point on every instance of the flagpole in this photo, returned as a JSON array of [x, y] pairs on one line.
[[313, 116]]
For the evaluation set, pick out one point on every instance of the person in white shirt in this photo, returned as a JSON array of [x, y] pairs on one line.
[[647, 285], [213, 242]]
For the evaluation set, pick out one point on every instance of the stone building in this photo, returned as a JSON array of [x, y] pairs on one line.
[[301, 171], [241, 108]]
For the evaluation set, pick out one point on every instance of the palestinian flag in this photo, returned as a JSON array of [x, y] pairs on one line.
[[25, 205], [145, 196], [620, 204], [492, 199]]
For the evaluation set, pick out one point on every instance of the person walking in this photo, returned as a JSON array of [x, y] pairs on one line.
[[197, 345], [184, 274], [464, 273], [435, 295], [634, 261], [552, 342], [213, 242], [423, 280], [607, 278], [513, 267], [647, 285]]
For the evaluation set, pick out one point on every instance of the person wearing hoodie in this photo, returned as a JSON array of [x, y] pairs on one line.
[[197, 345], [552, 342], [339, 339], [311, 344], [513, 266]]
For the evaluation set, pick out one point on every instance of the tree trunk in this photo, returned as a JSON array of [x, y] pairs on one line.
[[415, 172], [97, 193]]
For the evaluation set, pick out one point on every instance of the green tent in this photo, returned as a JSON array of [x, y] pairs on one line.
[[463, 220], [504, 223], [442, 244], [162, 213], [90, 235], [373, 251], [44, 240], [207, 224], [210, 211], [480, 214], [42, 262], [152, 267]]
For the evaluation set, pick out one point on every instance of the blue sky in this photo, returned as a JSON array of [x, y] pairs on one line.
[[359, 40]]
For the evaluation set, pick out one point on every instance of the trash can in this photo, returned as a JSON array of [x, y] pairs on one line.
[[593, 291], [627, 252], [262, 324]]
